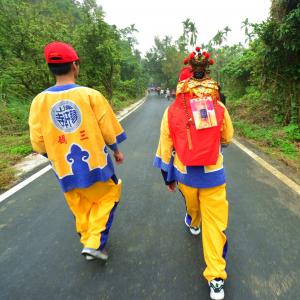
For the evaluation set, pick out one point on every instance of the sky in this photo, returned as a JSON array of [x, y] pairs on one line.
[[165, 17]]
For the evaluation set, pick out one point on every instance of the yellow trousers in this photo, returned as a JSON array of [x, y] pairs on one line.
[[208, 207], [94, 209]]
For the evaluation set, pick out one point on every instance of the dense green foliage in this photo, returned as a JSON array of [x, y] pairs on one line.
[[262, 81], [109, 61], [269, 70]]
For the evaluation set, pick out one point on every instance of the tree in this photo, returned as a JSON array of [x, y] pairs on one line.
[[164, 62], [189, 35], [221, 36], [249, 34], [25, 29], [278, 62], [106, 52], [193, 34]]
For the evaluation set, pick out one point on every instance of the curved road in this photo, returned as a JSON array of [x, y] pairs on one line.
[[152, 255]]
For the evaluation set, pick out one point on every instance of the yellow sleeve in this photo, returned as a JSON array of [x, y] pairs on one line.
[[112, 131], [36, 136], [227, 129], [165, 146]]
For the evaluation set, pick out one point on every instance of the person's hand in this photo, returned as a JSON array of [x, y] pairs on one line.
[[172, 187], [224, 145], [119, 157]]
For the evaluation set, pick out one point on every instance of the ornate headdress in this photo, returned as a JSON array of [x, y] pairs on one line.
[[198, 59]]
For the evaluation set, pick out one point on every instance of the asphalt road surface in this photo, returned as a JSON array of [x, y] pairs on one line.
[[152, 255]]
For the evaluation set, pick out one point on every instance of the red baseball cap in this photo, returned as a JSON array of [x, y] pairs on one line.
[[59, 53], [185, 73]]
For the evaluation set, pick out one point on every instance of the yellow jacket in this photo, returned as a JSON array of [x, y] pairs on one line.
[[73, 125]]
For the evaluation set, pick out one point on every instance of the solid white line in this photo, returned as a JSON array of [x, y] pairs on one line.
[[126, 115], [22, 184], [290, 183]]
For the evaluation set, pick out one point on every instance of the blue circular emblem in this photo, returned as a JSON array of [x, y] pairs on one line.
[[66, 115]]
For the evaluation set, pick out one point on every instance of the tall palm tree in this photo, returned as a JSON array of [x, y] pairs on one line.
[[193, 32], [189, 36], [186, 26], [218, 38], [221, 36], [248, 33], [226, 30]]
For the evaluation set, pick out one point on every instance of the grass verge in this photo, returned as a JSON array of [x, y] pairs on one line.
[[272, 141], [12, 148], [255, 121]]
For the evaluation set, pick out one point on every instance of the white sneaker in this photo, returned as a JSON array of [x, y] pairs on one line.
[[216, 287], [96, 254], [195, 230], [89, 258]]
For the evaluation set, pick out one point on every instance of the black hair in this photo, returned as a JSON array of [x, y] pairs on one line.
[[61, 69], [198, 74]]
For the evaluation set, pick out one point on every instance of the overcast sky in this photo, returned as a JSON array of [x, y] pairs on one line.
[[164, 17]]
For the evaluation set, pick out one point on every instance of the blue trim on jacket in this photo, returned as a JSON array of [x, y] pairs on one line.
[[195, 176], [59, 88], [119, 139]]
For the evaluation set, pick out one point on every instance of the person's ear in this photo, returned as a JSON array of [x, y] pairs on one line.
[[74, 65], [75, 68]]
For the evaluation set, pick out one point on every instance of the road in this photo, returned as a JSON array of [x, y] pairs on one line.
[[152, 255]]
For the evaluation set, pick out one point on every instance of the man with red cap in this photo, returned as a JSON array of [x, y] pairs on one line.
[[189, 154], [74, 126]]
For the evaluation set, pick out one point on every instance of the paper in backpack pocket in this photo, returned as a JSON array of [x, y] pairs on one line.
[[203, 112]]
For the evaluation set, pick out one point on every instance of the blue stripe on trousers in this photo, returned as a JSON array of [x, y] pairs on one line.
[[104, 234]]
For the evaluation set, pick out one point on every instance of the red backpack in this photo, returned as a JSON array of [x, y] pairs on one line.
[[194, 147]]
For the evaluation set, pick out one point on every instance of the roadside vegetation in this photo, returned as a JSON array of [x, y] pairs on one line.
[[262, 82]]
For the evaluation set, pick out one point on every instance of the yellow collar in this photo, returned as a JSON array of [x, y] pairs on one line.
[[189, 84]]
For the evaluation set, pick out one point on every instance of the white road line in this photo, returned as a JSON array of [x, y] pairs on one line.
[[22, 184], [290, 183], [126, 115]]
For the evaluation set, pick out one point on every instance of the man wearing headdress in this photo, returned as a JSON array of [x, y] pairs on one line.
[[189, 154]]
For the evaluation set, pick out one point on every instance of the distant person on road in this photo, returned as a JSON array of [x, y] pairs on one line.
[[74, 126], [189, 155], [158, 91], [168, 94], [173, 94]]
